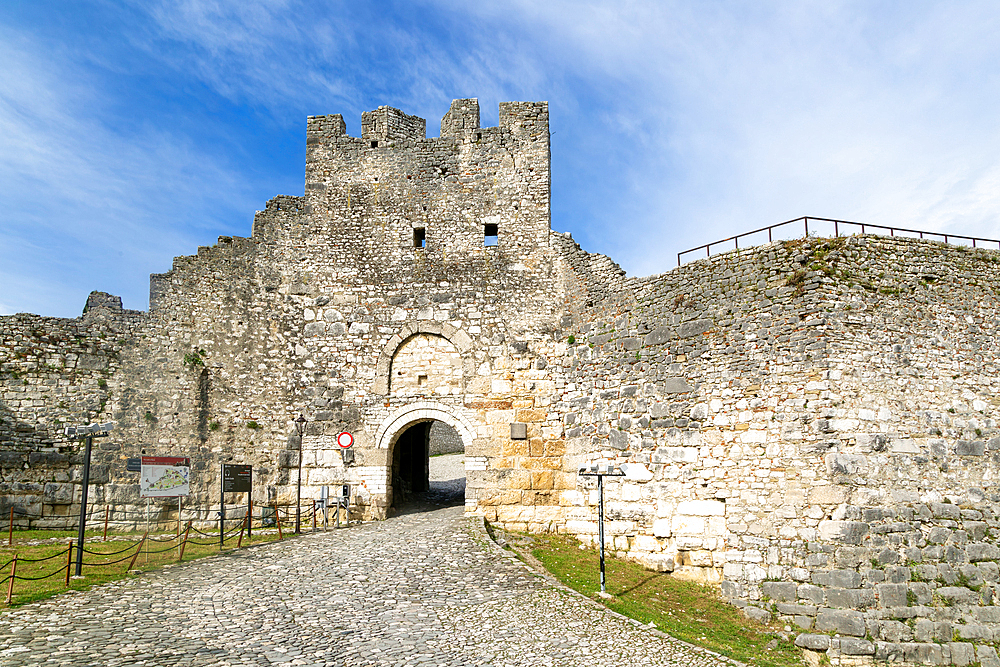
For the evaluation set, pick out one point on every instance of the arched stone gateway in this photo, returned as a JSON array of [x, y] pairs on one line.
[[397, 436]]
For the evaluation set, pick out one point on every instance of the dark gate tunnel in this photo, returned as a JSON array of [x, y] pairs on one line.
[[411, 462], [420, 484]]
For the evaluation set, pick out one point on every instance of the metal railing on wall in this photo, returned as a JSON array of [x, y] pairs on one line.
[[837, 224]]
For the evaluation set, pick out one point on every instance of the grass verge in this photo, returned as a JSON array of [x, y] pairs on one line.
[[98, 567], [682, 609]]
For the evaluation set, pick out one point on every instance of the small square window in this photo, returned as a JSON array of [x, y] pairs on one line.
[[491, 234], [419, 237], [374, 144]]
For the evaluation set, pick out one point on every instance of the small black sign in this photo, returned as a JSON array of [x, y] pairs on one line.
[[236, 478], [133, 464], [345, 491]]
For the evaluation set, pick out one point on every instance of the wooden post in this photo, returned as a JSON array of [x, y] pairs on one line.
[[239, 543], [137, 552], [277, 518], [10, 528], [180, 557], [107, 510], [69, 561], [13, 573]]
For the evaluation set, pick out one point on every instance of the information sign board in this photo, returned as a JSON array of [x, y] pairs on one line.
[[164, 476], [133, 464], [236, 478]]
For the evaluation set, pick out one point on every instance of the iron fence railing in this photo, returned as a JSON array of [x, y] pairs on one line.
[[836, 232]]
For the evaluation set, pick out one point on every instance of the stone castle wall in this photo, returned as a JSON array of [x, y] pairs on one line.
[[799, 422]]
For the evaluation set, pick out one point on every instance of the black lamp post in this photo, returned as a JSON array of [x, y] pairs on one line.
[[87, 433], [300, 428]]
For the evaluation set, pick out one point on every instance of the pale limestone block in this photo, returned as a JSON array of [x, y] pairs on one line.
[[637, 472], [581, 527], [732, 571], [662, 528], [753, 437], [702, 508], [716, 527], [688, 525], [500, 386], [646, 543], [631, 492], [904, 446]]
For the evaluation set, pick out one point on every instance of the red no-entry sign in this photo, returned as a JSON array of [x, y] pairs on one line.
[[345, 440]]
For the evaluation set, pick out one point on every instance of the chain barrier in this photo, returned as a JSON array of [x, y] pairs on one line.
[[133, 549]]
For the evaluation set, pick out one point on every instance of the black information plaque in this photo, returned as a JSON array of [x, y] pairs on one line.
[[236, 478]]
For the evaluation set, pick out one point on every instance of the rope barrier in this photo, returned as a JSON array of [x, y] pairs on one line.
[[111, 553], [39, 560], [160, 551], [51, 574], [112, 562]]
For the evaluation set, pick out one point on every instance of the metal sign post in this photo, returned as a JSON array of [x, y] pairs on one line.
[[600, 471], [236, 478], [88, 433]]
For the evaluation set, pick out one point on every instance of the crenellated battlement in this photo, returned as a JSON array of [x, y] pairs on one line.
[[390, 127]]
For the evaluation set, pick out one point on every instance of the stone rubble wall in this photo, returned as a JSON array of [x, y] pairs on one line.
[[56, 372]]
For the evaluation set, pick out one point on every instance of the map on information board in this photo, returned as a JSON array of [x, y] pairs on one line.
[[164, 476]]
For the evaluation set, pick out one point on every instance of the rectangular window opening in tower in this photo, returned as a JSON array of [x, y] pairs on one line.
[[419, 237], [490, 234]]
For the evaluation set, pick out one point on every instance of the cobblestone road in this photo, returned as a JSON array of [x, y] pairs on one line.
[[424, 588]]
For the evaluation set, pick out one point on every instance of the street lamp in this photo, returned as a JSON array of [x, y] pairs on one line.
[[600, 471], [300, 428], [87, 433]]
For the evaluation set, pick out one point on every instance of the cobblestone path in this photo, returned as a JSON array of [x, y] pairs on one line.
[[419, 589]]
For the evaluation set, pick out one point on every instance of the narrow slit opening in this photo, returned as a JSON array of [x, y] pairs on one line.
[[419, 237]]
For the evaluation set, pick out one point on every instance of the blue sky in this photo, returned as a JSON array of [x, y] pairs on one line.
[[131, 132]]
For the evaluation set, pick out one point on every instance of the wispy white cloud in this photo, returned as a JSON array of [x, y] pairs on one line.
[[88, 207]]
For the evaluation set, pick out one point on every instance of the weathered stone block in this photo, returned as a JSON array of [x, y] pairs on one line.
[[844, 578], [840, 620], [946, 511], [979, 551], [955, 594], [970, 448], [59, 494], [987, 656], [851, 646], [813, 642], [974, 632], [847, 532], [894, 631], [810, 593], [843, 598], [676, 385], [11, 459], [780, 591], [962, 653]]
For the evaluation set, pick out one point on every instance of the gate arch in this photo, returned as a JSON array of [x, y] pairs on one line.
[[420, 411]]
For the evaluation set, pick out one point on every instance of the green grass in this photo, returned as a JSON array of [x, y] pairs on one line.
[[94, 571], [682, 609]]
